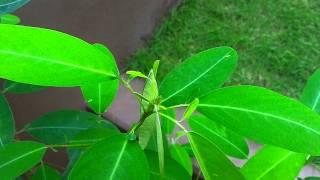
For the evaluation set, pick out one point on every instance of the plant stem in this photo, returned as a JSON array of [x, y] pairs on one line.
[[143, 117], [173, 120], [176, 106], [21, 131], [138, 96]]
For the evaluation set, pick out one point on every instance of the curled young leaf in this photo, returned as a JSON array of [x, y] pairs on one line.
[[190, 109]]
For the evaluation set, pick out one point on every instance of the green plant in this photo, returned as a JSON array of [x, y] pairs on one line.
[[150, 149]]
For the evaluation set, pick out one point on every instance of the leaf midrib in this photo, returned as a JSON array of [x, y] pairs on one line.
[[9, 3], [199, 77], [261, 113], [55, 127], [52, 61], [199, 159], [315, 103], [115, 167], [1, 142], [224, 139], [21, 156], [274, 165]]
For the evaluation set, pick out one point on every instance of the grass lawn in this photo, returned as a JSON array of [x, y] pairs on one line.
[[278, 41]]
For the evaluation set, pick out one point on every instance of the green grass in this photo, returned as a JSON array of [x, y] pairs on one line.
[[278, 41]]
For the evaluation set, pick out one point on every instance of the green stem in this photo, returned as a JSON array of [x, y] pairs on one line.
[[175, 121], [143, 117], [21, 131], [176, 106]]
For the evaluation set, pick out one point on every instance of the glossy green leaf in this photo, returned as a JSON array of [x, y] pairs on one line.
[[92, 136], [212, 161], [179, 154], [172, 170], [7, 127], [228, 141], [112, 158], [45, 172], [36, 56], [274, 163], [20, 88], [311, 92], [198, 75], [9, 19], [280, 121], [190, 109], [17, 158], [100, 96], [60, 127], [9, 6]]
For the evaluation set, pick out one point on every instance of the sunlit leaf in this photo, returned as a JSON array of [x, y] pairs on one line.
[[212, 161], [274, 163], [264, 116], [228, 141], [198, 75], [50, 58], [112, 158], [100, 96]]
